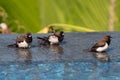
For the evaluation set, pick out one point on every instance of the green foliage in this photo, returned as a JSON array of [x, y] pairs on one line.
[[3, 14], [23, 15], [34, 15]]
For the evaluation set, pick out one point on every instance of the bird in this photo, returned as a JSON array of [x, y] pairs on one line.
[[101, 45], [59, 34], [55, 38], [23, 41], [5, 29], [51, 39]]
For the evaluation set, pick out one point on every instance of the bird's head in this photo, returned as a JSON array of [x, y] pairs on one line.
[[28, 36], [59, 33], [106, 38]]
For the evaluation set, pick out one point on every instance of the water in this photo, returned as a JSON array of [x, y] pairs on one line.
[[61, 71], [68, 61]]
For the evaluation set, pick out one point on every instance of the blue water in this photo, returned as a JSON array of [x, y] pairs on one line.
[[74, 70]]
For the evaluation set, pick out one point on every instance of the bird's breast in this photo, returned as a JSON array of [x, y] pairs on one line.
[[23, 44], [53, 39], [103, 48]]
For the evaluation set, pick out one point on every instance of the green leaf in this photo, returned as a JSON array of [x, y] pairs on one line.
[[67, 29], [35, 15]]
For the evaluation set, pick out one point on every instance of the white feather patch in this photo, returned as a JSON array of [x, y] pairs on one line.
[[23, 44], [101, 49], [53, 39]]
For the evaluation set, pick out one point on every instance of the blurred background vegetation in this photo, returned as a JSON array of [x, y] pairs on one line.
[[68, 15]]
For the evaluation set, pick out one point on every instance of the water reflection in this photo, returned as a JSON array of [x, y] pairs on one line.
[[102, 57], [53, 48], [56, 49], [24, 55]]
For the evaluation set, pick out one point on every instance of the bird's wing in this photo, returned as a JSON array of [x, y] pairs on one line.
[[99, 44]]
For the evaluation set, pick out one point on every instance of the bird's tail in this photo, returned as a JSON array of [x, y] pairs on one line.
[[40, 38], [44, 38], [13, 45]]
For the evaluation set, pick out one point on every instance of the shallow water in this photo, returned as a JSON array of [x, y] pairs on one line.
[[68, 61], [61, 71]]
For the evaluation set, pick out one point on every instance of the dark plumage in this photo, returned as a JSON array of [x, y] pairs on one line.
[[28, 37], [101, 45], [60, 35]]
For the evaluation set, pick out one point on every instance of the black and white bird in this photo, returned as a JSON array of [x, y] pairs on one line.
[[52, 39], [101, 45], [59, 34], [55, 38], [23, 41]]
